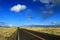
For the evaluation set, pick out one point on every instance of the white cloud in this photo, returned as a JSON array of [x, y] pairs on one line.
[[45, 1], [18, 8]]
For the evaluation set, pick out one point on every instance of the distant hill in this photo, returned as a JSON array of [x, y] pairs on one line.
[[4, 26]]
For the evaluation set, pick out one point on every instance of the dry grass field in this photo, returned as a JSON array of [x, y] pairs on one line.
[[6, 32], [49, 30]]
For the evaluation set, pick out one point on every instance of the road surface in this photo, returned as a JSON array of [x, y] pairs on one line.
[[33, 35]]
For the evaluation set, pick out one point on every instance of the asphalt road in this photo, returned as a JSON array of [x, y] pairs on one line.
[[33, 35]]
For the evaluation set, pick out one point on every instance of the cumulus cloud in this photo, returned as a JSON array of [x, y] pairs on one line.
[[18, 8]]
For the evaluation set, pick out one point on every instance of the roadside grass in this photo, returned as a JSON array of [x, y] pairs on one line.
[[49, 30], [6, 32]]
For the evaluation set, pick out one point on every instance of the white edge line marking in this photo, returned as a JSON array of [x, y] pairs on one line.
[[34, 35], [18, 36]]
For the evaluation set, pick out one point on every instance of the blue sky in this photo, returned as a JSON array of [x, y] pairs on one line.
[[29, 12]]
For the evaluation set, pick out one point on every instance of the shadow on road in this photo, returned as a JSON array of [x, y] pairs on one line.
[[44, 35], [26, 36]]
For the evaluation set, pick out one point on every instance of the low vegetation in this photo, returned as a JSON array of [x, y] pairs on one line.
[[6, 32], [49, 30]]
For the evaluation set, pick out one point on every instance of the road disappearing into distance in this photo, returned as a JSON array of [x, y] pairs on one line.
[[29, 33], [24, 34]]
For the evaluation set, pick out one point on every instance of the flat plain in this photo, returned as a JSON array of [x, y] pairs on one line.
[[49, 30], [6, 32]]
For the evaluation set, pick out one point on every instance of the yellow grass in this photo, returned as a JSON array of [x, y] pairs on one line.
[[6, 32], [55, 31]]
